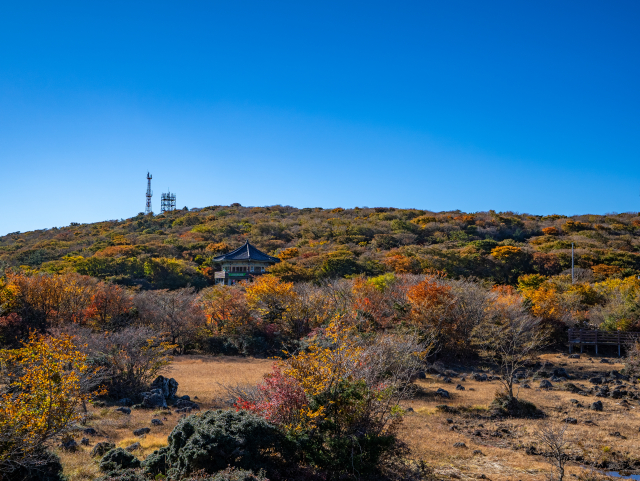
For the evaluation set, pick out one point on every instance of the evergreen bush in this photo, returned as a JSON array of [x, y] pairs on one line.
[[215, 440], [117, 460]]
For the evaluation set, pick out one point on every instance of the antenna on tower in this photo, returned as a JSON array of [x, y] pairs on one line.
[[168, 202], [147, 209]]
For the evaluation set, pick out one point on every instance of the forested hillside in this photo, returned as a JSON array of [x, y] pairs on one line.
[[176, 249]]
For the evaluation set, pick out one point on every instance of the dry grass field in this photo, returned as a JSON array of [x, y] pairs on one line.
[[493, 448]]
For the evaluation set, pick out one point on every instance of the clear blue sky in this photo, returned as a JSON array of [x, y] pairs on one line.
[[530, 106]]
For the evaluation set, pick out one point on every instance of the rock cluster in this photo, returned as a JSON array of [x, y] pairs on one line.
[[163, 390]]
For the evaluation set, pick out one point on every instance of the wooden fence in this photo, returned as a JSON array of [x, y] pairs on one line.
[[594, 338]]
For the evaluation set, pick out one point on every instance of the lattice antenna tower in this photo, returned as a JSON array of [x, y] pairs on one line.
[[168, 202], [147, 209]]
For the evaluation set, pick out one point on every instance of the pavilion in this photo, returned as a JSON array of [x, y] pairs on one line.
[[243, 263]]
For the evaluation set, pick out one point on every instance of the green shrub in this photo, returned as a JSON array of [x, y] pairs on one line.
[[117, 460], [229, 474], [215, 440], [46, 468], [506, 406], [353, 444], [126, 475]]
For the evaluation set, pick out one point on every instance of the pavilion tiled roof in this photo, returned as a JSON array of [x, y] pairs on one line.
[[247, 252]]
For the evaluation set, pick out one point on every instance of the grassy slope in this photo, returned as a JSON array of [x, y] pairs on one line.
[[454, 242]]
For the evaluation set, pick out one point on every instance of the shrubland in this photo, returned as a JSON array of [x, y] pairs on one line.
[[361, 303], [176, 249]]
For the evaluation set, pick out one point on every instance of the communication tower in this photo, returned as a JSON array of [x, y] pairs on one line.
[[168, 202], [147, 209]]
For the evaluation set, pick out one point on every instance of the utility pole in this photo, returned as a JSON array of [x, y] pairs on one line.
[[147, 209], [572, 278]]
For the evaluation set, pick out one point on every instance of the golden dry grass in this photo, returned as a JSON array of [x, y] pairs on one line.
[[430, 437], [201, 376], [425, 430]]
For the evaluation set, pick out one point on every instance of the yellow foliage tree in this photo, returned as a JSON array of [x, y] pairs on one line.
[[506, 253], [48, 379], [289, 253], [274, 301], [226, 310]]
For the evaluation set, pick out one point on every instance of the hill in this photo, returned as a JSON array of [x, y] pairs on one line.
[[176, 249]]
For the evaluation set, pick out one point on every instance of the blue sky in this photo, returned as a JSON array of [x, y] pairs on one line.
[[524, 106]]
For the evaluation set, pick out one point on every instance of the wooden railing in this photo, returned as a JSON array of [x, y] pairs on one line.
[[594, 338]]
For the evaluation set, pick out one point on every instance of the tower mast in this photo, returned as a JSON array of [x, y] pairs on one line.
[[147, 209]]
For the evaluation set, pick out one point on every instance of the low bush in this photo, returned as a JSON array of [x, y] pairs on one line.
[[229, 474], [126, 475], [46, 466], [214, 440], [505, 406], [117, 460]]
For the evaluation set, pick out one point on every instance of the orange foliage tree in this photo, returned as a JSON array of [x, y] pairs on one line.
[[110, 306], [431, 307], [401, 264]]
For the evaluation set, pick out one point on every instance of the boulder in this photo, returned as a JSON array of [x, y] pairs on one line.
[[85, 441], [69, 445], [124, 410], [442, 393], [168, 386], [596, 406], [595, 380], [574, 356], [618, 393], [572, 387], [154, 399], [90, 432], [545, 384], [460, 387], [570, 420], [183, 403], [157, 422], [459, 445], [447, 380], [480, 376], [604, 360], [617, 375], [141, 431], [561, 372], [185, 398], [101, 449], [133, 447]]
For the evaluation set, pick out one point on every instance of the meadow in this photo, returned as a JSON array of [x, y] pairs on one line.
[[498, 453]]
